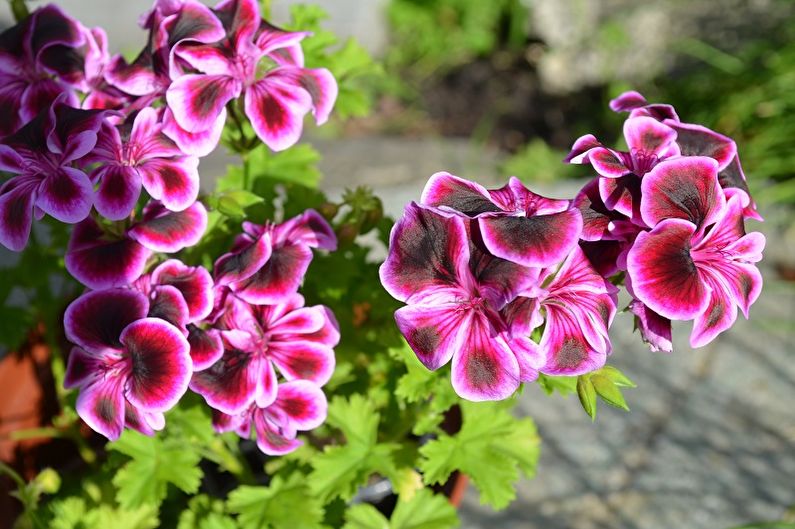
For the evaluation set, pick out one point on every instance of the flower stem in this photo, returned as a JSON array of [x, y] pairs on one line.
[[19, 9]]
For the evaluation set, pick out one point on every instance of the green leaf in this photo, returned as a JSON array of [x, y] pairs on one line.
[[424, 511], [204, 512], [155, 463], [284, 503], [563, 385], [76, 513], [608, 391], [587, 394], [616, 376], [365, 516], [492, 448]]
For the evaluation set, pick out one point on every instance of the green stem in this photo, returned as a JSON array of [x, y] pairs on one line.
[[246, 170], [36, 433], [19, 9]]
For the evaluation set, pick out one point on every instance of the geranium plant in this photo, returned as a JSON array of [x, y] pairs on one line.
[[243, 359]]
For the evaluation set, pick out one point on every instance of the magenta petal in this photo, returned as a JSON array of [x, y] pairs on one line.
[[197, 100], [172, 181], [136, 79], [81, 367], [242, 264], [654, 329], [16, 212], [622, 195], [273, 438], [303, 360], [101, 406], [469, 198], [568, 351], [169, 305], [695, 140], [162, 230], [230, 384], [119, 189], [276, 110], [147, 139], [607, 163], [484, 368], [434, 332], [206, 347], [142, 421], [627, 101], [199, 143], [529, 356], [160, 364], [428, 253], [319, 83], [303, 402], [241, 19], [96, 319], [193, 282], [306, 320], [310, 229], [682, 188], [278, 278], [648, 136], [663, 273], [40, 94], [66, 194], [267, 385], [208, 59], [604, 256], [539, 241], [596, 217], [719, 314], [499, 280], [329, 333], [100, 261], [581, 148]]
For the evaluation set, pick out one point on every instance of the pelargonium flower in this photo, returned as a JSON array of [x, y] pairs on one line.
[[697, 262], [509, 217], [297, 340], [275, 101], [454, 292], [300, 405], [143, 157], [42, 155], [183, 296], [34, 65], [108, 257], [267, 263], [129, 368], [577, 308]]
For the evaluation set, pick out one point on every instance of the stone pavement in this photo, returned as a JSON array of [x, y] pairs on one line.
[[710, 440]]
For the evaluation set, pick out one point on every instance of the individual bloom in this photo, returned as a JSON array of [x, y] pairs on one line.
[[34, 65], [682, 270], [267, 263], [453, 302], [41, 155], [577, 308], [649, 142], [275, 101], [141, 155], [299, 406], [509, 217], [296, 340], [105, 257], [128, 367]]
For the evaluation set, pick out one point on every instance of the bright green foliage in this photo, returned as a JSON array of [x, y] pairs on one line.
[[284, 503], [76, 513], [424, 511], [563, 385], [155, 463], [492, 448], [605, 383]]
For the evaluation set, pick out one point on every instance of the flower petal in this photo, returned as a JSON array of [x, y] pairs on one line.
[[654, 329], [100, 261], [66, 194], [142, 421], [596, 217], [119, 189], [230, 384], [169, 305], [162, 230], [539, 241], [695, 140], [607, 163], [278, 278], [468, 198], [276, 111], [95, 320], [199, 143], [627, 101], [206, 347], [274, 439], [663, 273], [193, 282], [172, 181], [484, 368], [648, 136], [428, 254], [303, 402], [308, 228], [81, 368], [160, 364], [568, 351], [242, 264], [101, 406], [302, 360], [16, 212], [581, 148], [682, 188], [719, 314], [197, 100], [432, 331], [622, 195], [318, 82], [499, 280]]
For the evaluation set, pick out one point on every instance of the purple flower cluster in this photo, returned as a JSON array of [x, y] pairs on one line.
[[81, 129], [138, 348], [508, 284], [670, 214], [480, 270]]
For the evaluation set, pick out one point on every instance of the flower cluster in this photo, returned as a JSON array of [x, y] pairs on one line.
[[481, 270], [83, 130], [669, 213], [139, 347], [508, 284]]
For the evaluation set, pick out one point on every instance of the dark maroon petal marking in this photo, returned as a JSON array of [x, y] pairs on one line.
[[206, 347], [16, 212], [96, 319], [167, 231], [469, 198], [194, 283], [230, 384], [276, 109], [243, 263], [279, 277], [695, 140], [169, 305], [101, 406]]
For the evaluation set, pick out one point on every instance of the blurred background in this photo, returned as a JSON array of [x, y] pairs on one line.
[[490, 89]]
